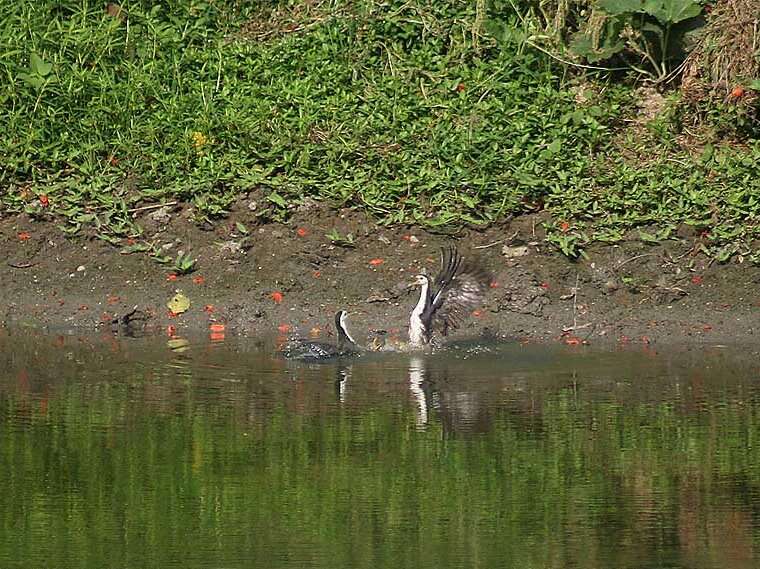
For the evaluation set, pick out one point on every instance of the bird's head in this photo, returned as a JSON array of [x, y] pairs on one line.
[[419, 280], [340, 319]]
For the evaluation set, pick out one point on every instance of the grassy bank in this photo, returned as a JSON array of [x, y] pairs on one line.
[[411, 110]]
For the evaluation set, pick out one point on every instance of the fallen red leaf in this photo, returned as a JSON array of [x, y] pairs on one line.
[[376, 262], [24, 236], [44, 201], [216, 336], [317, 274], [301, 232], [494, 284], [696, 279], [130, 241], [544, 285], [277, 296], [209, 308], [564, 226], [171, 278], [199, 280], [171, 314], [284, 328], [737, 92], [216, 327], [460, 88]]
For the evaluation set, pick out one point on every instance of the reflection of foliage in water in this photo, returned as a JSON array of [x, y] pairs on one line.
[[98, 473]]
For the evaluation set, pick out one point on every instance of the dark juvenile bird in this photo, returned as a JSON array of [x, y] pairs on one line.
[[310, 350], [446, 301]]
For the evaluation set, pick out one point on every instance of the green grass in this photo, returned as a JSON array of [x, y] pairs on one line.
[[408, 110]]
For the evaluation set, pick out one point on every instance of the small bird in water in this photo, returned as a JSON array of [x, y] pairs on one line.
[[310, 350], [446, 301]]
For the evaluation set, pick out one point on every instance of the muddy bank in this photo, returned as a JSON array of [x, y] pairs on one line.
[[291, 277]]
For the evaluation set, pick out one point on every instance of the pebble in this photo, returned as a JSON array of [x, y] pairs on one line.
[[511, 252], [161, 216], [231, 248], [81, 269]]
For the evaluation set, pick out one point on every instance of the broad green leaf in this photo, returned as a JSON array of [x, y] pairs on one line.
[[108, 238], [277, 199], [583, 45], [70, 229], [725, 253], [163, 259], [672, 11], [38, 66], [135, 248], [708, 153], [617, 7], [552, 149], [31, 80]]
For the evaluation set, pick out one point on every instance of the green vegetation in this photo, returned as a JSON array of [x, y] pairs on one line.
[[184, 263], [647, 37], [336, 238], [435, 113]]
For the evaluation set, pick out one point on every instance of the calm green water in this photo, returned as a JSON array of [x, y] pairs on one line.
[[126, 453]]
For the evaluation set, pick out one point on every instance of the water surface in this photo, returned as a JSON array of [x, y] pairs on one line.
[[128, 453]]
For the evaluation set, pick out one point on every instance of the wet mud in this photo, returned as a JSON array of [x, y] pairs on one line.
[[290, 278]]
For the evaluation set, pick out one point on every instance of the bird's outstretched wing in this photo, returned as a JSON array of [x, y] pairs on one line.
[[457, 290]]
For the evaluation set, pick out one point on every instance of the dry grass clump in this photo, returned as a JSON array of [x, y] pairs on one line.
[[727, 57], [559, 19], [273, 22]]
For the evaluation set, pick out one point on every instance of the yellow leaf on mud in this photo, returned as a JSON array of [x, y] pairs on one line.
[[178, 344], [179, 303]]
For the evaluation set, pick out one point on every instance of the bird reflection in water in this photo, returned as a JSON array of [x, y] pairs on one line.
[[416, 380], [436, 395], [440, 397], [342, 377]]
